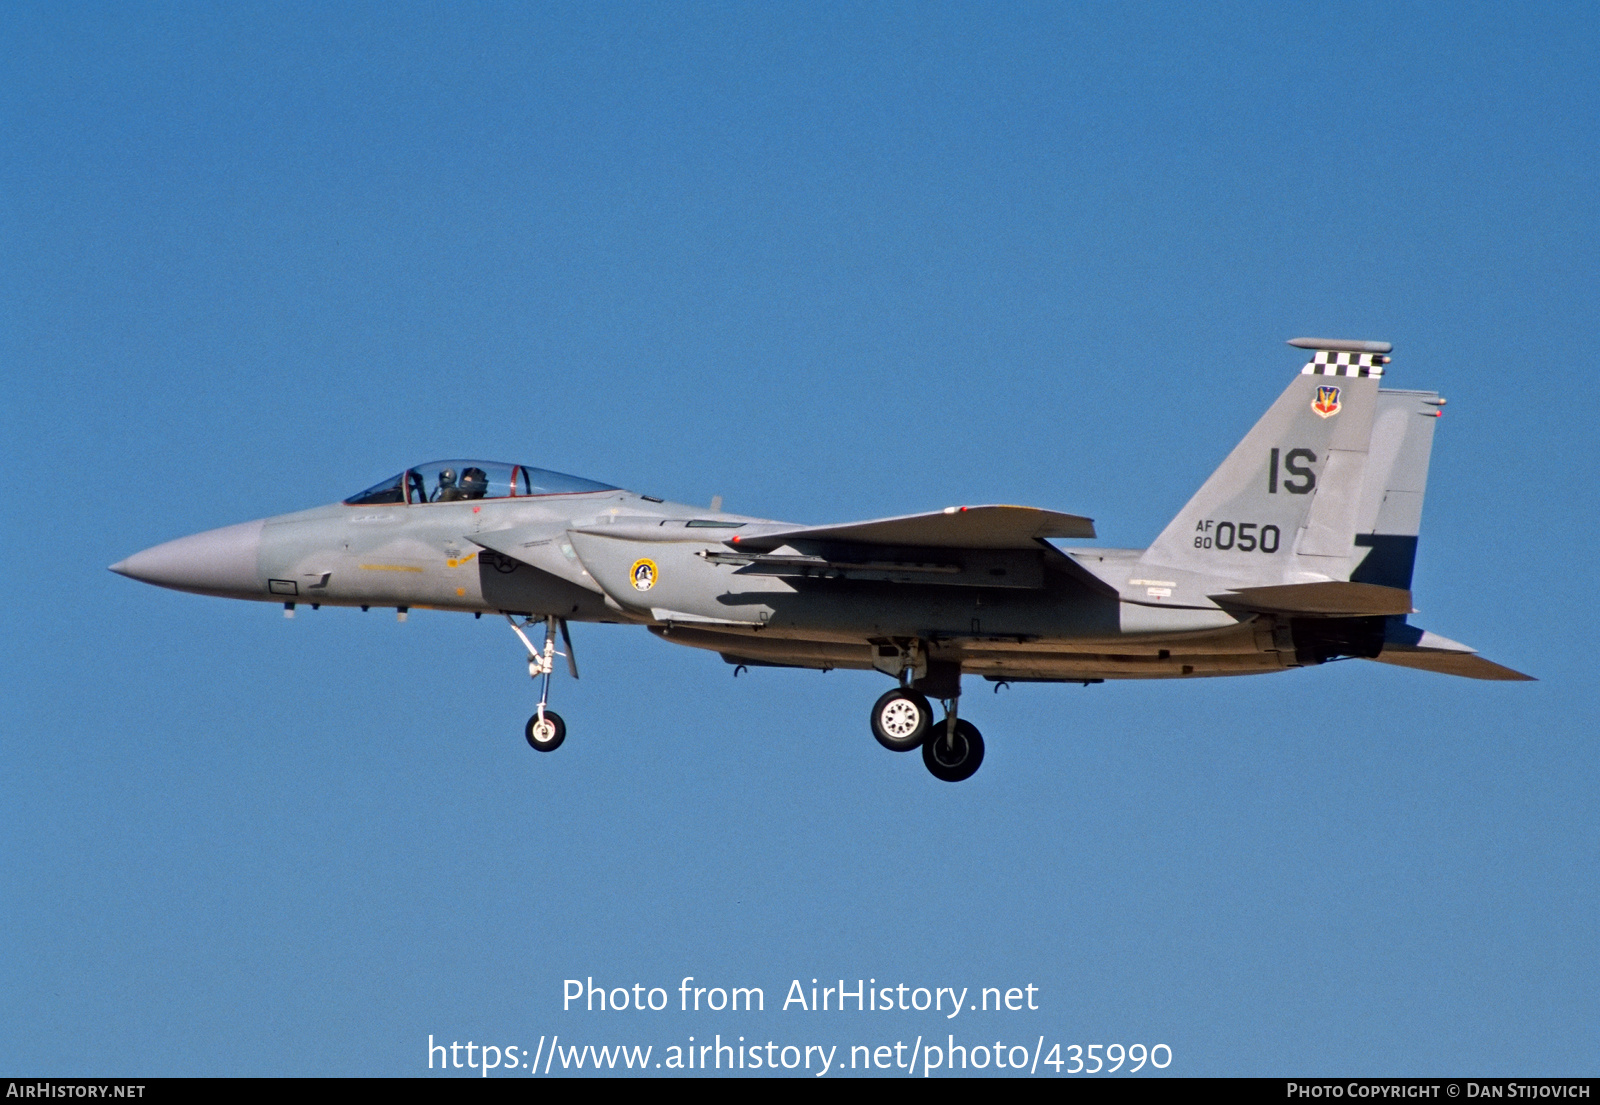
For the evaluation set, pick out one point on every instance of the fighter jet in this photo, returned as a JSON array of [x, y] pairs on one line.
[[1297, 551]]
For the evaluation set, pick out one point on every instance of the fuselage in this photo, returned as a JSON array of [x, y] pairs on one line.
[[605, 554]]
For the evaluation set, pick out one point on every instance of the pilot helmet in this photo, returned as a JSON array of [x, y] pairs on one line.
[[447, 478]]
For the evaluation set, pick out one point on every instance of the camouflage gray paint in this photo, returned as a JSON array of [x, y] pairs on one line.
[[1297, 550]]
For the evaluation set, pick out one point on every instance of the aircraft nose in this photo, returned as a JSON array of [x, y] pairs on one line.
[[217, 562]]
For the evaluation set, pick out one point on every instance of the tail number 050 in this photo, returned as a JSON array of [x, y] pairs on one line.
[[1244, 536]]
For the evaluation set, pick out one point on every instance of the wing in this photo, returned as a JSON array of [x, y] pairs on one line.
[[954, 527]]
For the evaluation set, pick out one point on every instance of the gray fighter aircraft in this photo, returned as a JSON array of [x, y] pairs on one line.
[[1297, 551]]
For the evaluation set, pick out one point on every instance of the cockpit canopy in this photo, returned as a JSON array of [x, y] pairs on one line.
[[452, 481]]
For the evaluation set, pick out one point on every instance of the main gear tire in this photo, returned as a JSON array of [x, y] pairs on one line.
[[546, 737], [954, 760], [901, 719]]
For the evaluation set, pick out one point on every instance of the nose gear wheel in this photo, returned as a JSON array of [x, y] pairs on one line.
[[546, 731]]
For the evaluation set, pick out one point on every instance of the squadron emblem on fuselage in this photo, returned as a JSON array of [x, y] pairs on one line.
[[643, 574]]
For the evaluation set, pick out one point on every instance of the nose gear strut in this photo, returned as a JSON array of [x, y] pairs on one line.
[[545, 729]]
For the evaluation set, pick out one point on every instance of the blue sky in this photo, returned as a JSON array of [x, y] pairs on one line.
[[829, 262]]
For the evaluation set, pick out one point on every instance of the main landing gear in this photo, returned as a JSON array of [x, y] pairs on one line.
[[954, 751], [902, 719], [545, 729]]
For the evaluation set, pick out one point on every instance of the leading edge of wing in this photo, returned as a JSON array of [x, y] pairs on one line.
[[954, 527]]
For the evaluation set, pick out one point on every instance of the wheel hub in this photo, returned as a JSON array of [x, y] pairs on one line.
[[948, 753], [900, 718]]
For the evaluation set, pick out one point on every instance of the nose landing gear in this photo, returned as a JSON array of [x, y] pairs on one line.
[[545, 729]]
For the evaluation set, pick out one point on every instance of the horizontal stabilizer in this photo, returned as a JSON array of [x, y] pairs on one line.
[[963, 527], [1411, 647], [1468, 664], [1333, 599]]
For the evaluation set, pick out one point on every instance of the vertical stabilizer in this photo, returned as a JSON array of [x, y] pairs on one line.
[[1390, 516], [1286, 504]]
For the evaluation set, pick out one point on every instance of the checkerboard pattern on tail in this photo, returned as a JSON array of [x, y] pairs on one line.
[[1326, 363]]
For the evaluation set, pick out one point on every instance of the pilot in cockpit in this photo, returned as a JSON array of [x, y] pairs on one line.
[[448, 492], [474, 483]]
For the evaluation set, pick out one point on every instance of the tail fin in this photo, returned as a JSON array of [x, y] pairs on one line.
[[1390, 514], [1385, 548], [1286, 504]]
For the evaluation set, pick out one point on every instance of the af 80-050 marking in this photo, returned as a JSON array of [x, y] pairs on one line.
[[1240, 535]]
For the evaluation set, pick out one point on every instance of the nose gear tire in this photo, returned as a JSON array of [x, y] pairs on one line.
[[901, 719], [956, 762], [548, 737]]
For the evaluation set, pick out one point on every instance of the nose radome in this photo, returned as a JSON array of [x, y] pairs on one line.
[[217, 562]]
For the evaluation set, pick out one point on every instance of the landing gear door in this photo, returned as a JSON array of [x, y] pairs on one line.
[[903, 658]]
